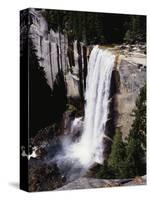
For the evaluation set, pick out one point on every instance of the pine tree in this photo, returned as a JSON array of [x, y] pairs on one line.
[[136, 29], [117, 156], [135, 162], [93, 27], [105, 172]]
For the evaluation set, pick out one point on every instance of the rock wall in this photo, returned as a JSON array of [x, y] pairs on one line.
[[50, 46], [132, 74], [56, 52], [63, 62]]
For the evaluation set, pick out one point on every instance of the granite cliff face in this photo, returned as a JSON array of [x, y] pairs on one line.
[[56, 52], [132, 77], [58, 65]]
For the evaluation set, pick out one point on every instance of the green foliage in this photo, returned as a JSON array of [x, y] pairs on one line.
[[135, 162], [105, 172], [86, 27], [117, 156], [98, 27], [138, 129], [136, 29], [91, 27]]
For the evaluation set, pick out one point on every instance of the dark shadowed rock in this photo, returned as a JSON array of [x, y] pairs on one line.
[[45, 177]]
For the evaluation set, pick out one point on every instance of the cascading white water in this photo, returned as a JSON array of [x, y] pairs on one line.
[[90, 147]]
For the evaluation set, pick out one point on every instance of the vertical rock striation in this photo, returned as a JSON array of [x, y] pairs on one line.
[[56, 52]]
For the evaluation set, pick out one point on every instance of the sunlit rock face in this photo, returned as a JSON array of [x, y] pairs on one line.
[[50, 46], [55, 53], [132, 75]]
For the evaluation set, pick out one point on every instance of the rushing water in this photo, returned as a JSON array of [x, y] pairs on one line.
[[90, 147]]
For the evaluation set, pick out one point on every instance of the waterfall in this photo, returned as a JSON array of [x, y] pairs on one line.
[[90, 147]]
